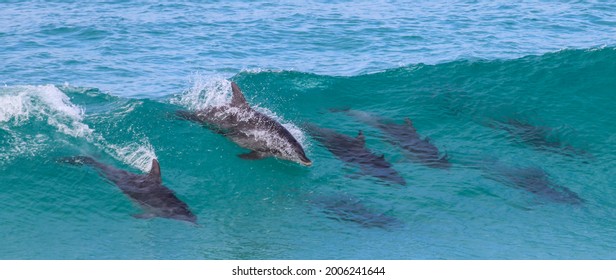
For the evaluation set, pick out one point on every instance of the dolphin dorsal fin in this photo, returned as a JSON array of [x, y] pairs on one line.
[[408, 121], [155, 171], [361, 137], [238, 98]]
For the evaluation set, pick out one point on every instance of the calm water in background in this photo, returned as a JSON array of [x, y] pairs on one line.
[[104, 78]]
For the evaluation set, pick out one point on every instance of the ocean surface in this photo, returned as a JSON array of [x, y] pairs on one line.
[[517, 97]]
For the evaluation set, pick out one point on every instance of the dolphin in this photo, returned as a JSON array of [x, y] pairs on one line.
[[353, 150], [343, 207], [250, 129], [535, 136], [532, 179], [146, 190], [406, 137]]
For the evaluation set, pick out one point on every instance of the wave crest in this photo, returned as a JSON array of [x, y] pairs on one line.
[[26, 113]]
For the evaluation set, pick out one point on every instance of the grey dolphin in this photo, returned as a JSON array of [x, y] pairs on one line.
[[532, 179], [345, 207], [535, 136], [250, 129], [146, 190], [353, 150], [406, 137]]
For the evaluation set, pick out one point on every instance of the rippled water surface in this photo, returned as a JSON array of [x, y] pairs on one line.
[[517, 98]]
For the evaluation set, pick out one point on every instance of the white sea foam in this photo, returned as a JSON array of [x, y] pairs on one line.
[[297, 133], [20, 105], [205, 92], [262, 70], [48, 103], [13, 107], [139, 155], [19, 145]]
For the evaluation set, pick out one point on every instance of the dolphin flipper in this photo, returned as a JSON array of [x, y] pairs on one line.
[[252, 155]]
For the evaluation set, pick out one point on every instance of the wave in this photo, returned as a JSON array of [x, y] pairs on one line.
[[31, 117], [569, 91]]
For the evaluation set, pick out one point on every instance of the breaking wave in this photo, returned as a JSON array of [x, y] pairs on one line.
[[32, 116]]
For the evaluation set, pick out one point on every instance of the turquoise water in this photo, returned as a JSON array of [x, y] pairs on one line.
[[499, 88]]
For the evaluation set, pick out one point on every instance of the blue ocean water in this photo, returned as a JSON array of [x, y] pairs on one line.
[[518, 96]]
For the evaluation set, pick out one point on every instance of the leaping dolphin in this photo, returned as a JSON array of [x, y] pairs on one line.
[[147, 190], [250, 129], [353, 150], [406, 137]]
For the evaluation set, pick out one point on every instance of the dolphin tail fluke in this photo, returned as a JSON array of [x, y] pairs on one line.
[[444, 157], [443, 162]]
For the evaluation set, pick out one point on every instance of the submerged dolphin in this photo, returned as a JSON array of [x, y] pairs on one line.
[[344, 207], [250, 129], [405, 136], [535, 136], [534, 180], [146, 190], [353, 150]]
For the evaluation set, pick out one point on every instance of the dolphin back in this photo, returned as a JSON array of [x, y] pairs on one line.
[[146, 190]]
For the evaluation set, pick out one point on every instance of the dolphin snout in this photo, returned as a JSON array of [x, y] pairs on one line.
[[303, 159]]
